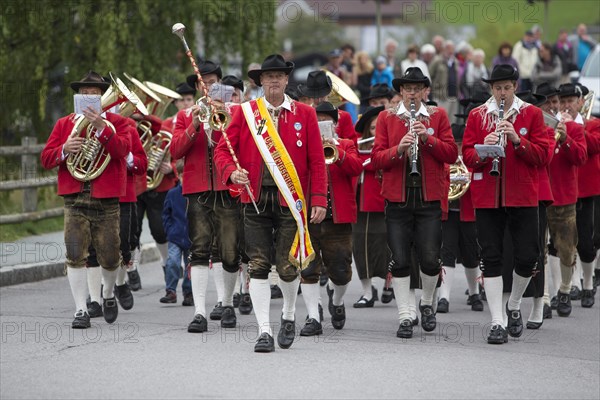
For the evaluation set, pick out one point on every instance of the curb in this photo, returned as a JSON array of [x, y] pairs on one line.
[[17, 274]]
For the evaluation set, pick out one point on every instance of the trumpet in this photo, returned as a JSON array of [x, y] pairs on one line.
[[414, 148], [330, 150], [496, 161], [551, 121]]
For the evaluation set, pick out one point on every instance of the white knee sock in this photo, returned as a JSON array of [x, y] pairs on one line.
[[472, 274], [554, 265], [199, 280], [244, 278], [229, 279], [311, 293], [448, 275], [519, 284], [290, 293], [403, 297], [273, 276], [238, 283], [566, 274], [588, 275], [429, 283], [576, 278], [109, 278], [546, 285], [94, 282], [164, 252], [366, 287], [217, 273], [412, 303], [78, 282], [121, 272], [260, 293], [493, 290], [136, 255], [537, 311], [338, 293]]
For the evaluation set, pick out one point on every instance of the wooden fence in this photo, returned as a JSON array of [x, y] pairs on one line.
[[30, 182]]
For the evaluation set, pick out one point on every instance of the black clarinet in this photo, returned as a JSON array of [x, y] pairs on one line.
[[495, 171], [415, 146]]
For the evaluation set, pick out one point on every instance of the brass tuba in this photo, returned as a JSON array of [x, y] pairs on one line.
[[92, 159], [157, 154], [460, 180], [166, 95], [340, 91]]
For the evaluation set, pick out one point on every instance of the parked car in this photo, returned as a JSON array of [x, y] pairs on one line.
[[590, 77]]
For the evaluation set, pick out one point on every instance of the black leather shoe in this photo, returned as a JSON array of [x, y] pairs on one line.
[[443, 306], [498, 335], [428, 322], [82, 320], [216, 313], [374, 295], [236, 300], [94, 310], [387, 295], [587, 298], [198, 325], [547, 312], [338, 317], [415, 321], [135, 283], [563, 308], [287, 334], [476, 303], [575, 293], [188, 300], [534, 325], [312, 327], [245, 304], [364, 303], [515, 322], [228, 317], [276, 292], [264, 344], [405, 330], [124, 296], [110, 310], [554, 302]]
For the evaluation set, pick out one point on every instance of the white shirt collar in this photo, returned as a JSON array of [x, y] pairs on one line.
[[422, 110], [287, 103], [516, 105], [103, 115], [579, 119]]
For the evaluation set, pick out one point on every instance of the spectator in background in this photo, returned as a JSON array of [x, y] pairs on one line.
[[412, 60], [348, 58], [390, 48], [253, 91], [336, 67], [362, 72], [382, 72], [438, 42], [526, 54], [463, 55], [537, 35], [427, 53], [548, 68], [444, 79], [564, 50], [505, 56], [583, 45], [474, 73]]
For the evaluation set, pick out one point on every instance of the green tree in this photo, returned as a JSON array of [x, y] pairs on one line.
[[46, 44], [309, 34]]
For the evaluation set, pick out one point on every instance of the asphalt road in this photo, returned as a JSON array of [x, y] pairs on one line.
[[148, 353]]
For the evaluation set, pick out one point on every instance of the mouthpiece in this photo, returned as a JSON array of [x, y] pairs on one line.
[[178, 29]]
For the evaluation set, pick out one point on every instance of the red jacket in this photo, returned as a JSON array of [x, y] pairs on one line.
[[140, 162], [369, 188], [345, 127], [589, 173], [111, 183], [341, 189], [563, 168], [545, 193], [199, 170], [518, 185], [438, 150], [308, 158]]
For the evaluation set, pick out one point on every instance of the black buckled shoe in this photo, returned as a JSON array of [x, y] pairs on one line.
[[498, 335], [312, 327], [476, 303], [554, 302], [374, 295], [405, 330], [123, 294], [228, 318], [428, 322], [587, 298], [198, 325], [563, 308], [236, 300], [387, 295], [264, 344], [575, 293], [287, 333], [135, 283], [217, 312], [534, 325], [188, 300], [547, 312], [82, 320], [245, 304], [364, 303], [110, 310], [94, 310], [443, 306], [276, 292], [515, 322], [338, 317], [415, 321]]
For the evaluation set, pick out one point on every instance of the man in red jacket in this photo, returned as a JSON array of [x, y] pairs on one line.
[[278, 145], [332, 238], [509, 199], [91, 207], [414, 200]]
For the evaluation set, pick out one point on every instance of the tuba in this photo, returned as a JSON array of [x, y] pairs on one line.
[[460, 180], [92, 159], [157, 154], [340, 91], [166, 95]]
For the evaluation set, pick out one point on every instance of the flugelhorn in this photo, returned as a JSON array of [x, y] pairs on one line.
[[179, 29], [495, 171]]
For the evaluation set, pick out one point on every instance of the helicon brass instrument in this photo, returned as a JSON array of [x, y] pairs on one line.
[[340, 91], [157, 154], [460, 180], [166, 95]]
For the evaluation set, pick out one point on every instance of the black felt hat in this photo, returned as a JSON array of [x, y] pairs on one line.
[[532, 98], [545, 89], [329, 109], [232, 80], [503, 72], [184, 88], [274, 62], [318, 84], [568, 90], [380, 90], [206, 67], [366, 117], [92, 79], [412, 75]]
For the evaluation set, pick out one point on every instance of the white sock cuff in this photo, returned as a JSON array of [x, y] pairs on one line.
[[311, 292], [290, 293], [429, 284]]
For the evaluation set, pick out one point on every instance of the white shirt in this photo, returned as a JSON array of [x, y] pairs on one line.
[[493, 106], [422, 110], [287, 104]]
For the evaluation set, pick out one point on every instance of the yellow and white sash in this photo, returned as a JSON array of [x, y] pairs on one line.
[[275, 154]]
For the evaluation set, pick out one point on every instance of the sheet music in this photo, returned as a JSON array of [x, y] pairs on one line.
[[83, 101], [489, 150]]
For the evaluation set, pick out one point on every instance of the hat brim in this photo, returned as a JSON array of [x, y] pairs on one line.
[[305, 91], [396, 83], [366, 117], [78, 85], [255, 73], [500, 79]]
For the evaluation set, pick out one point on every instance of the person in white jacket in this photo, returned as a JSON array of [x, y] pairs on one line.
[[525, 53], [412, 60]]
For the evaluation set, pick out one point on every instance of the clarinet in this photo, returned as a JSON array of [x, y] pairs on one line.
[[415, 146], [496, 161]]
